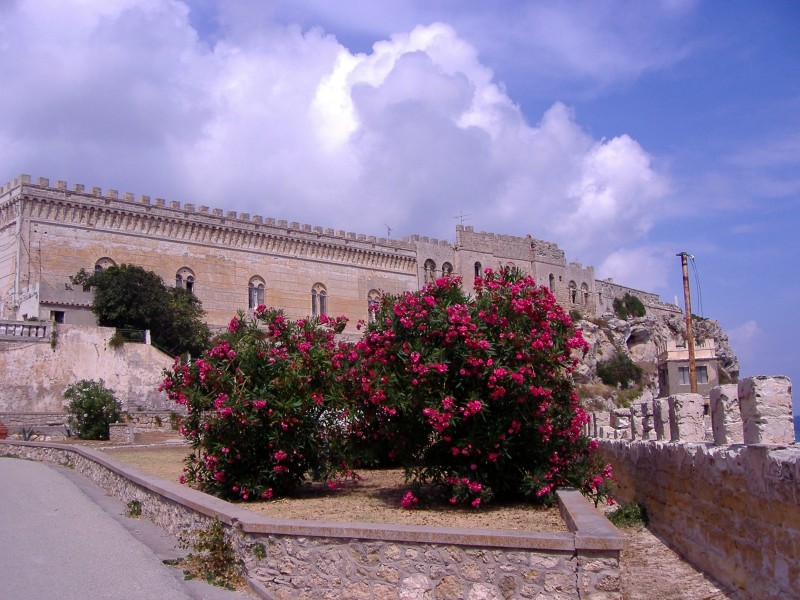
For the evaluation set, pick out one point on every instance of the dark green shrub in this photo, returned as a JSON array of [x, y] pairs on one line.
[[92, 407], [629, 306], [619, 370], [630, 515]]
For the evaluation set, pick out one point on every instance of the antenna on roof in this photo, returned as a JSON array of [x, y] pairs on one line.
[[462, 217]]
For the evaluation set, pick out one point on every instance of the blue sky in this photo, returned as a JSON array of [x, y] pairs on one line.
[[625, 131]]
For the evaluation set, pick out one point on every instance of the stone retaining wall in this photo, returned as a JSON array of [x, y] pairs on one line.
[[320, 560], [733, 511]]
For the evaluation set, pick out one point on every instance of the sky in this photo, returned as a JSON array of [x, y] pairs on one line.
[[624, 131]]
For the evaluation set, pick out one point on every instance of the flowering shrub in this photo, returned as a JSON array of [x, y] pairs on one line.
[[475, 394], [257, 402]]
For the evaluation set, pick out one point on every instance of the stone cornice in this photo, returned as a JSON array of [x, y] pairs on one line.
[[182, 223]]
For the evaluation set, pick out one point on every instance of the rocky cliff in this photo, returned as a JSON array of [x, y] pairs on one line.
[[639, 339]]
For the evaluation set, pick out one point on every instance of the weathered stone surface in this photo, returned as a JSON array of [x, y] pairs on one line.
[[686, 420], [766, 406], [303, 563], [733, 511], [726, 419], [661, 418]]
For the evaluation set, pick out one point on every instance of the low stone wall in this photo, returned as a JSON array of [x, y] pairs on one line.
[[320, 560], [733, 511]]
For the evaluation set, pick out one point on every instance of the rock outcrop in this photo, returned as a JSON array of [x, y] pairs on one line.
[[640, 338]]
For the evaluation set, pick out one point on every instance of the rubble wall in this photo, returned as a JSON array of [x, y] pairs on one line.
[[733, 511]]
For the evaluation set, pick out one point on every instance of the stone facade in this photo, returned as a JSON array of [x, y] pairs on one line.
[[231, 260], [319, 560]]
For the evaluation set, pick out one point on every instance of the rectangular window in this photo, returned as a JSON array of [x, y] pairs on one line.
[[701, 372], [57, 316]]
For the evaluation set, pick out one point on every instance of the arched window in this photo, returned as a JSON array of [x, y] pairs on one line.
[[184, 278], [478, 269], [573, 292], [585, 294], [552, 283], [319, 300], [430, 271], [103, 263], [373, 304], [447, 269], [255, 292]]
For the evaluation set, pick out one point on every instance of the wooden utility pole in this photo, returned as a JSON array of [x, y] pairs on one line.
[[689, 334]]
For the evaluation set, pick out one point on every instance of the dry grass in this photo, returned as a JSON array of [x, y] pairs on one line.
[[373, 499]]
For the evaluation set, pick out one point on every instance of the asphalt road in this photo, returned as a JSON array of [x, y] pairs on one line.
[[61, 538]]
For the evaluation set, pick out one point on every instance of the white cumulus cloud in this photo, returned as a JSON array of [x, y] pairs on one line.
[[288, 122]]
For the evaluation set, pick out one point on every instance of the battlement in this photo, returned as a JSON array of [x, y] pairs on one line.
[[188, 209]]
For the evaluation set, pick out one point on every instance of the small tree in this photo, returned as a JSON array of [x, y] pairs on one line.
[[619, 370], [130, 297], [264, 409], [629, 306], [92, 407]]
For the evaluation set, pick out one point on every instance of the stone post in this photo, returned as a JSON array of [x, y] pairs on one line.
[[726, 419], [621, 422], [636, 421], [647, 420], [602, 421], [766, 405], [686, 421], [661, 418]]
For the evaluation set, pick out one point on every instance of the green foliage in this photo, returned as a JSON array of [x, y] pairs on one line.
[[92, 407], [264, 406], [53, 336], [28, 433], [133, 509], [619, 370], [117, 340], [629, 306], [630, 515], [576, 315], [474, 394], [213, 559], [129, 297]]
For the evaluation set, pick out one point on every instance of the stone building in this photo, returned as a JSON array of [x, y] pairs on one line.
[[673, 368], [234, 261]]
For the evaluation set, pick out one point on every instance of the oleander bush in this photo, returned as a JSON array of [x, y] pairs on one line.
[[473, 395], [264, 409]]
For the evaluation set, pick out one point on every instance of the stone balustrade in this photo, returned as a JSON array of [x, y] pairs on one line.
[[37, 330]]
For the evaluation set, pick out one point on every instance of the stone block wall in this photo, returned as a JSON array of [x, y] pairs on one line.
[[320, 560], [733, 511]]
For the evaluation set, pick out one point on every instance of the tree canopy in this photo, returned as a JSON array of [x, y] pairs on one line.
[[130, 297]]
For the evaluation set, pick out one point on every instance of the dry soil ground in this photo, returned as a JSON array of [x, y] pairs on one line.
[[650, 569]]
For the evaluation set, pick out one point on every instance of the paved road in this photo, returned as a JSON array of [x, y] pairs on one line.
[[62, 538]]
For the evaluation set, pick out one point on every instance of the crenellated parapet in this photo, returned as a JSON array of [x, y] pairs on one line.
[[157, 218]]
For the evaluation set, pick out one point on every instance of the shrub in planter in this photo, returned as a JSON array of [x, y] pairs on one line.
[[92, 407], [257, 402], [475, 394]]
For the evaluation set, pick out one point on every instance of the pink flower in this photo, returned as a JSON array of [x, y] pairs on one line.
[[409, 501]]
